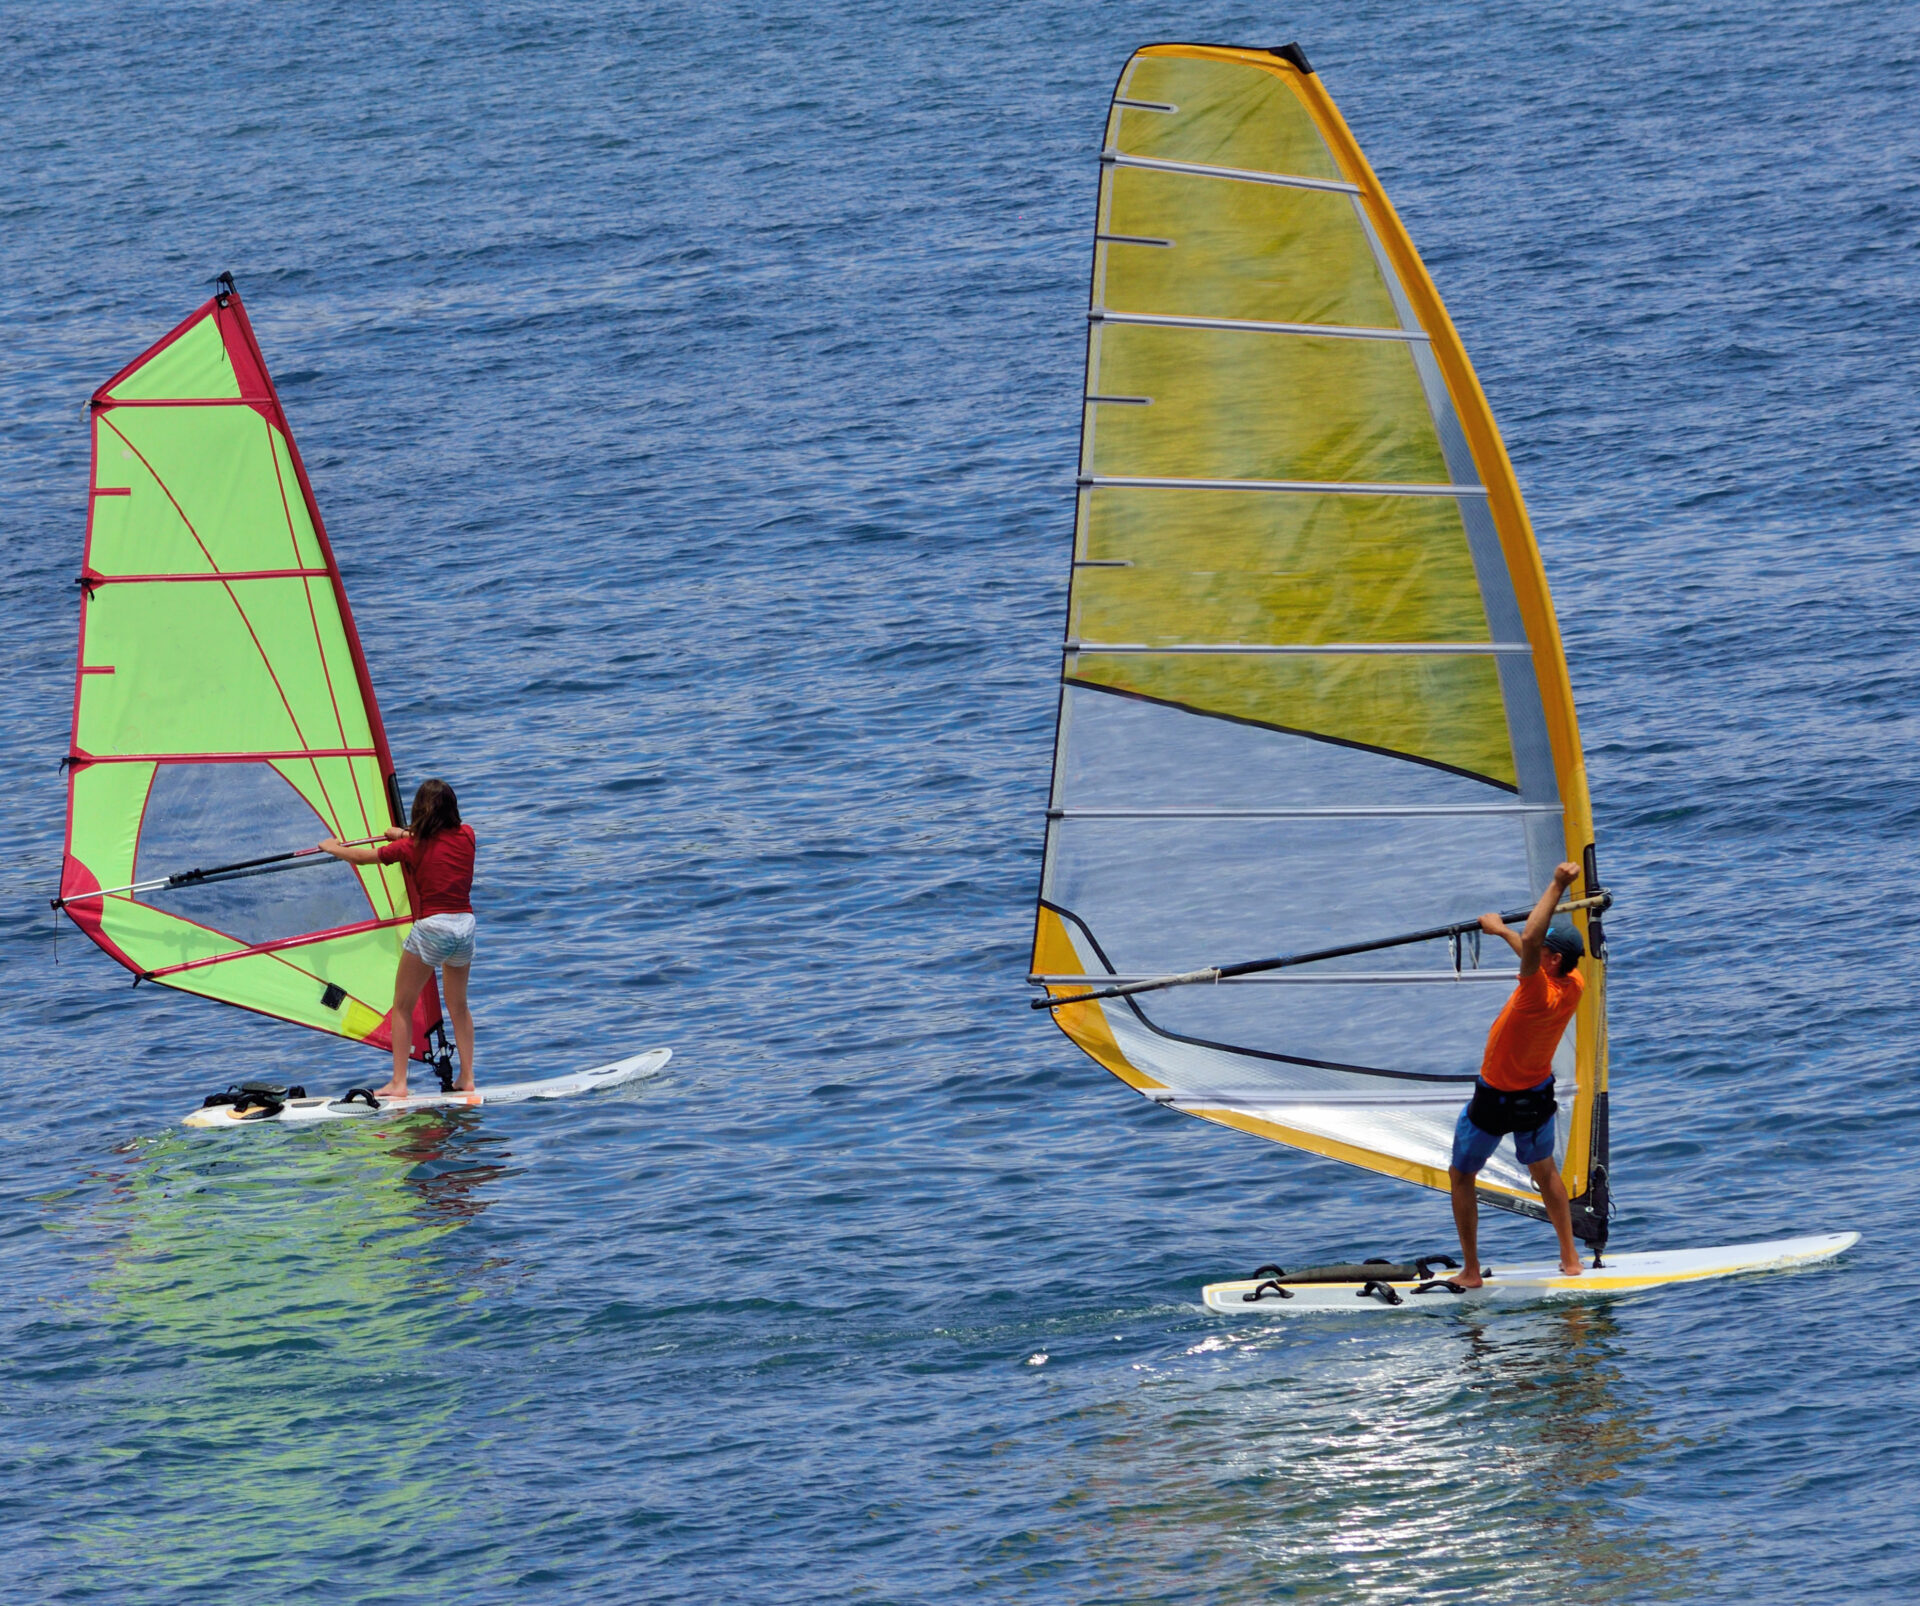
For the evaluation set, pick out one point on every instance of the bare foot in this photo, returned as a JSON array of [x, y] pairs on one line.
[[1470, 1278], [1571, 1269], [465, 1084], [393, 1090]]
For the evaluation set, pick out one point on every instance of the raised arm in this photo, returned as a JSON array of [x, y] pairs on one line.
[[1527, 940]]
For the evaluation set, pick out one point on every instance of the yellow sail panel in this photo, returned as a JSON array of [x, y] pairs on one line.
[[1222, 248], [1203, 403], [1313, 689], [1227, 109]]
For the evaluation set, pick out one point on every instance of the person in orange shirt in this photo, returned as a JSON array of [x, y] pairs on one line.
[[1514, 1091]]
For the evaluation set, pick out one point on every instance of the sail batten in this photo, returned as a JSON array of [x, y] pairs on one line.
[[1244, 175], [1312, 686], [222, 705], [1148, 482]]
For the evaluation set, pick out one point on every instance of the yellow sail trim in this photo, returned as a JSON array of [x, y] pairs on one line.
[[1053, 954], [1427, 1176]]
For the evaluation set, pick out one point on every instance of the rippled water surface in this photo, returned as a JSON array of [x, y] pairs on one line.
[[692, 395]]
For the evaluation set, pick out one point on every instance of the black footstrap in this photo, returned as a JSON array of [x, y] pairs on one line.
[[1261, 1292], [364, 1094], [1380, 1291], [1439, 1286], [1425, 1264]]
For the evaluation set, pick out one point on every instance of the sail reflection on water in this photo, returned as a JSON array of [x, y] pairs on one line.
[[299, 1291]]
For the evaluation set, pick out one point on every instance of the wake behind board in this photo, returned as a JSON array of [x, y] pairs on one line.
[[1526, 1282], [304, 1109]]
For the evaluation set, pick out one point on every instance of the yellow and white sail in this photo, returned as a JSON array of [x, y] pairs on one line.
[[1313, 689]]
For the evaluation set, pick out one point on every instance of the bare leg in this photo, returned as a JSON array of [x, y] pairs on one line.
[[413, 975], [1554, 1192], [1466, 1217], [453, 983]]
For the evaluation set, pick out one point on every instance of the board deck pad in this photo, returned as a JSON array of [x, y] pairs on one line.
[[1535, 1280], [329, 1108]]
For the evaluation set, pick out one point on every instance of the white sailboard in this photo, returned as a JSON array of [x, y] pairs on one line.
[[256, 1103], [1313, 690], [1523, 1282]]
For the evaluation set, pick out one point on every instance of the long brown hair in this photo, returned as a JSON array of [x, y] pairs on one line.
[[435, 809]]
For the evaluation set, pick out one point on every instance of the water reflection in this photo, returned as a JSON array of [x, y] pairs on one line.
[[1447, 1457], [453, 1162], [288, 1304]]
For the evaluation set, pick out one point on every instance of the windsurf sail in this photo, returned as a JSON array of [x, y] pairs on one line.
[[1313, 690], [223, 718]]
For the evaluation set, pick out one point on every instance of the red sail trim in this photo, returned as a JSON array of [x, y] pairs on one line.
[[77, 881], [227, 574], [220, 758], [111, 490], [278, 945], [181, 401], [240, 332]]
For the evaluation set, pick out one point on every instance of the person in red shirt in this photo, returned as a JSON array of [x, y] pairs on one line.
[[1514, 1091], [437, 850]]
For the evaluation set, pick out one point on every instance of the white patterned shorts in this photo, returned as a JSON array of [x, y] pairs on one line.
[[442, 940]]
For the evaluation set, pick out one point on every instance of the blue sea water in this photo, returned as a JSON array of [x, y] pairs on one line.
[[692, 395]]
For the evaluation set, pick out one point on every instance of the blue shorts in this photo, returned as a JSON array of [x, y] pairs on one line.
[[1473, 1148]]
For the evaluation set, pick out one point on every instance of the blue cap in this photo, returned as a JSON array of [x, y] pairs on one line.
[[1565, 940]]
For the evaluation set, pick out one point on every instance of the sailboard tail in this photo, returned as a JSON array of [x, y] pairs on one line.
[[1313, 689], [222, 709]]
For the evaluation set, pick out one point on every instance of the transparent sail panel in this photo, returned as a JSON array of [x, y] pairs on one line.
[[200, 815]]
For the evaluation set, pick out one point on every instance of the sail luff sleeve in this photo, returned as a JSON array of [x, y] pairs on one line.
[[1311, 673]]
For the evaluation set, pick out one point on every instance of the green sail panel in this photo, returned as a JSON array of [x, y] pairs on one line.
[[222, 707], [1312, 691]]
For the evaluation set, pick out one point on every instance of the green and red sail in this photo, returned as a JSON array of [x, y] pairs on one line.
[[222, 709]]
